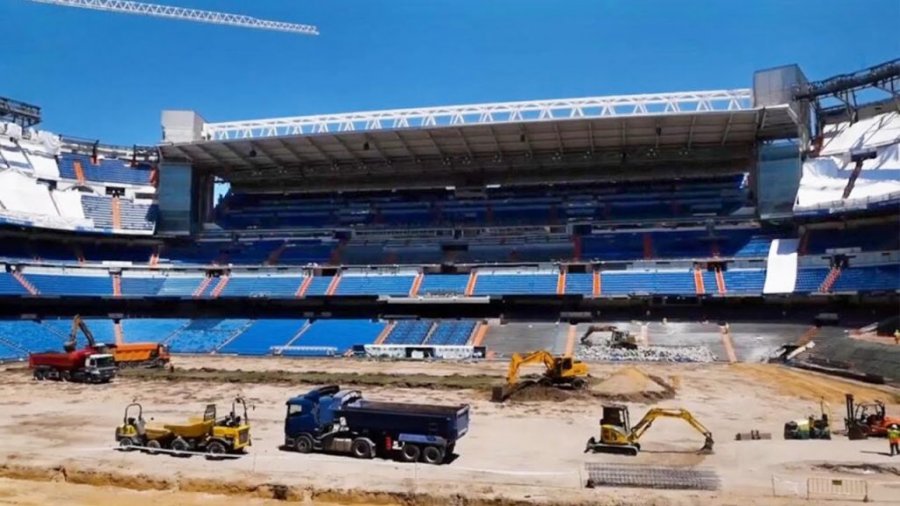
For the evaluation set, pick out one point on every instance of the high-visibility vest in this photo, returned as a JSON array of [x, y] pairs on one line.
[[894, 436]]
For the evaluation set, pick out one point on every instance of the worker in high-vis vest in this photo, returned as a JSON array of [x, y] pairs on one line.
[[893, 435]]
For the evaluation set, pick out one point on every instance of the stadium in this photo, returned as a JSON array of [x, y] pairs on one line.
[[413, 252]]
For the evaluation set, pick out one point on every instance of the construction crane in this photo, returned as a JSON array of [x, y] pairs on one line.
[[197, 15]]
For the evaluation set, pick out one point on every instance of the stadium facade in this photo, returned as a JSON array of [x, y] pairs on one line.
[[779, 199]]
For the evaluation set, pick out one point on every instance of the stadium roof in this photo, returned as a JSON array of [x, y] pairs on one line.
[[565, 131]]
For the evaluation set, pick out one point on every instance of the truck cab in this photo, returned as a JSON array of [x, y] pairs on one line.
[[101, 365]]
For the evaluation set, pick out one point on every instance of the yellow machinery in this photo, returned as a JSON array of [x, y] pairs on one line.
[[559, 372], [215, 436], [617, 435]]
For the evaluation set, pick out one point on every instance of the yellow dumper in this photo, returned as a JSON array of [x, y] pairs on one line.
[[214, 436]]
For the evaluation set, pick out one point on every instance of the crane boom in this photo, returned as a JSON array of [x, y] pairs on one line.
[[197, 15]]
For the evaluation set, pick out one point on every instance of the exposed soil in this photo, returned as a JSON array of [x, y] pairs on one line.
[[58, 436]]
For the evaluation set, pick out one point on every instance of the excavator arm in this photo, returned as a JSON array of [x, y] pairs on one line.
[[641, 427], [517, 361], [78, 324]]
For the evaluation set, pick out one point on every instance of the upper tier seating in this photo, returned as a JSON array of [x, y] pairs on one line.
[[741, 243], [515, 284], [72, 284], [500, 206], [262, 286], [883, 237], [444, 284], [397, 285], [809, 279], [10, 286], [647, 281], [580, 283], [261, 335], [106, 171]]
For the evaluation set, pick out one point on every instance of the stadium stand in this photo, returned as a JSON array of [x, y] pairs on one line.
[[375, 284], [74, 282], [410, 332], [151, 329], [205, 335], [451, 333], [261, 335], [518, 283], [262, 286], [10, 286], [334, 337], [105, 171], [648, 281], [443, 284]]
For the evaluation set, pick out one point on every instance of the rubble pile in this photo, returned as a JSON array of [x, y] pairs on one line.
[[646, 354]]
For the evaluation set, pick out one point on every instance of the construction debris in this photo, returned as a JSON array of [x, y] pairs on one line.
[[646, 354]]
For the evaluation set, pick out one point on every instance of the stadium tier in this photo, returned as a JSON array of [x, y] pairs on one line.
[[863, 273], [664, 197], [258, 337]]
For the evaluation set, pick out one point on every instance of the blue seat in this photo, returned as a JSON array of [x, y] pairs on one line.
[[444, 284], [452, 333], [261, 335], [745, 281], [580, 283], [138, 330], [10, 285], [52, 284], [516, 284], [262, 286], [868, 279], [409, 332], [375, 285], [205, 335], [340, 334], [31, 336]]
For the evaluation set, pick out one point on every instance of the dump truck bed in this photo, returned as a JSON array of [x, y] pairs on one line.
[[448, 422]]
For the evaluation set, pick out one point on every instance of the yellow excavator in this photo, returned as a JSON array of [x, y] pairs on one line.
[[617, 435], [561, 371]]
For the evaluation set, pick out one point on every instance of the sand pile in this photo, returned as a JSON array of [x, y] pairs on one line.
[[633, 384]]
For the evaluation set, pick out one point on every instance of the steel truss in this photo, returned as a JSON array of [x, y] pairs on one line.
[[198, 15], [487, 114]]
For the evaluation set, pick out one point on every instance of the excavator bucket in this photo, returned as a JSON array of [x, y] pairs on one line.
[[707, 446]]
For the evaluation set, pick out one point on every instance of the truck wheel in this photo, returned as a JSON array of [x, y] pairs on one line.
[[126, 444], [303, 444], [361, 448], [410, 452], [179, 445], [39, 375], [432, 455], [65, 376], [216, 449], [152, 447]]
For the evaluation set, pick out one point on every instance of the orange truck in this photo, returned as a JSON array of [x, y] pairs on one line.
[[124, 354], [141, 354]]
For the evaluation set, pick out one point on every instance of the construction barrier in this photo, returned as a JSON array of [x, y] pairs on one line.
[[837, 488], [400, 351]]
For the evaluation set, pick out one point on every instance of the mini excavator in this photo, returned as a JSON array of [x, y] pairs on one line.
[[617, 435]]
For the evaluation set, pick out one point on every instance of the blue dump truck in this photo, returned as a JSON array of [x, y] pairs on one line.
[[332, 420]]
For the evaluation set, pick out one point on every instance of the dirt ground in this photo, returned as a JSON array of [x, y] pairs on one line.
[[58, 441]]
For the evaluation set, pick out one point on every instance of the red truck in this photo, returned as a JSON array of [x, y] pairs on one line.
[[91, 364], [83, 366]]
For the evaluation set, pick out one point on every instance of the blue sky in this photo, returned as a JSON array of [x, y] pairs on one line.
[[108, 76]]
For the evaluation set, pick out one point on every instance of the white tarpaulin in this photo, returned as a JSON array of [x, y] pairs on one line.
[[781, 270], [825, 177]]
